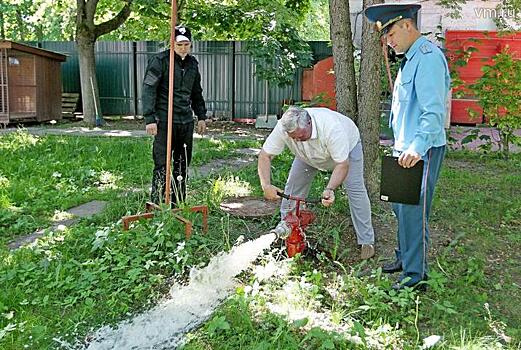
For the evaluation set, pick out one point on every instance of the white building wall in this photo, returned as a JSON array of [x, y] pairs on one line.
[[475, 15]]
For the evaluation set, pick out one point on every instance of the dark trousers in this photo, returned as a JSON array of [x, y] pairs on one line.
[[182, 141], [413, 220]]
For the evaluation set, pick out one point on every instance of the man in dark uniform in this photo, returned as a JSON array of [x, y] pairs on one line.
[[188, 99], [417, 118]]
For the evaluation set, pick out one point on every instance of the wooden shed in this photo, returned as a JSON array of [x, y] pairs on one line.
[[30, 83]]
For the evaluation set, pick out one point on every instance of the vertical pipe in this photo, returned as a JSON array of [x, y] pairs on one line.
[[233, 80], [173, 20], [3, 102], [134, 77]]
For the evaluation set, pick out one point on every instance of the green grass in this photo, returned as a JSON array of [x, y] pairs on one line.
[[94, 274], [474, 288], [43, 176]]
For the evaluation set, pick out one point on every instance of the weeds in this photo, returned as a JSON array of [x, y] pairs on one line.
[[92, 273]]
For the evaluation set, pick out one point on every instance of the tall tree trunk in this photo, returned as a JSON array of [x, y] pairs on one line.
[[87, 63], [344, 63], [369, 96], [86, 35]]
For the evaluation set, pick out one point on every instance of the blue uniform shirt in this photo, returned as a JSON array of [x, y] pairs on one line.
[[419, 105]]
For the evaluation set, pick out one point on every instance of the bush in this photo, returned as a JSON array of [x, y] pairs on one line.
[[499, 93]]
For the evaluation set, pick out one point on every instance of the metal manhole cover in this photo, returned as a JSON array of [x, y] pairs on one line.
[[251, 207]]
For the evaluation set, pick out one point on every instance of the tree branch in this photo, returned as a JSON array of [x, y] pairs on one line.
[[80, 13], [159, 15], [114, 23], [180, 5], [90, 11]]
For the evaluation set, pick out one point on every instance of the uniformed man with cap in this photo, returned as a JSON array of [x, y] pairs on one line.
[[188, 100], [417, 119]]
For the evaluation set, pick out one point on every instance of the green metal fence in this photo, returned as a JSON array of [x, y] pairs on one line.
[[230, 86]]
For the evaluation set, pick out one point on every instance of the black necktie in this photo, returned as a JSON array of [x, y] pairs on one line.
[[404, 60]]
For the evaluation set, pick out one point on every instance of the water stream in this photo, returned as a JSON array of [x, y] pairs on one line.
[[164, 326]]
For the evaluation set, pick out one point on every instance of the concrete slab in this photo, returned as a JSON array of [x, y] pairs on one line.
[[88, 209], [248, 151], [82, 211], [219, 165], [266, 121]]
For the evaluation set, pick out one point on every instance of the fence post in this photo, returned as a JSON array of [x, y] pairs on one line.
[[233, 80], [134, 76]]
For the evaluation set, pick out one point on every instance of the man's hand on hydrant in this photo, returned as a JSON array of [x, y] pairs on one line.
[[328, 197], [270, 192]]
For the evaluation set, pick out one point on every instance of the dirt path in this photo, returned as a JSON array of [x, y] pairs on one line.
[[458, 136], [218, 130], [346, 249], [244, 157]]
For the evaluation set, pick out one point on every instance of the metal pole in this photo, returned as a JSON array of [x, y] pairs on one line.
[[173, 20], [134, 77]]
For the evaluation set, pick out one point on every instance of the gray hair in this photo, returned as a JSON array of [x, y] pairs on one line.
[[294, 118]]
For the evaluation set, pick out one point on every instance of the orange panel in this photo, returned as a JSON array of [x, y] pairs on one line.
[[307, 84], [320, 80], [324, 82], [459, 112], [488, 45]]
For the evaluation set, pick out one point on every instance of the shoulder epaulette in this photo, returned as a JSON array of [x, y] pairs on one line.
[[426, 48]]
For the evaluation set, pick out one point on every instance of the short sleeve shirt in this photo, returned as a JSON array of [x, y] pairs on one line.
[[332, 139]]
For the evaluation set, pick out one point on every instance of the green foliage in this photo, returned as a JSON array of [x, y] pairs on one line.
[[38, 20], [74, 273], [461, 59], [315, 26], [41, 177], [242, 19], [454, 6], [236, 326], [499, 93], [320, 99], [278, 55], [59, 286], [272, 26], [508, 15], [149, 20], [472, 270], [94, 274], [15, 15], [47, 175]]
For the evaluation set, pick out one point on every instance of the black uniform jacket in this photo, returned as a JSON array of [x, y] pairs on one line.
[[188, 94]]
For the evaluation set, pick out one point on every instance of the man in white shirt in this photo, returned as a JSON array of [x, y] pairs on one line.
[[320, 139]]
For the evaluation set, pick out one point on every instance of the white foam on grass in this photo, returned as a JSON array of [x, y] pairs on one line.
[[164, 326]]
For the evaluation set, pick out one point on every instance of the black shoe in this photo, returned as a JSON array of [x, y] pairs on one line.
[[418, 286], [395, 266]]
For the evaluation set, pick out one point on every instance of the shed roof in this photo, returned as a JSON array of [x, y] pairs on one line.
[[6, 44]]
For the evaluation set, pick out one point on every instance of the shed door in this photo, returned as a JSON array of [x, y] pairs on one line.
[[22, 85], [4, 98]]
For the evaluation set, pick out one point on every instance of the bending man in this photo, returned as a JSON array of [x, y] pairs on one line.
[[320, 139]]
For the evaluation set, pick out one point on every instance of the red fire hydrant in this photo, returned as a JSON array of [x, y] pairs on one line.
[[298, 221]]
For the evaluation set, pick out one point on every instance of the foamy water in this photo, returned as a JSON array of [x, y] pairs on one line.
[[164, 326]]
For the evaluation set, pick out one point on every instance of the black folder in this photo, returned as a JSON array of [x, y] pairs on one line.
[[398, 184]]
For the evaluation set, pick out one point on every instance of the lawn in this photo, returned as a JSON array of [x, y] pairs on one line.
[[92, 274]]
